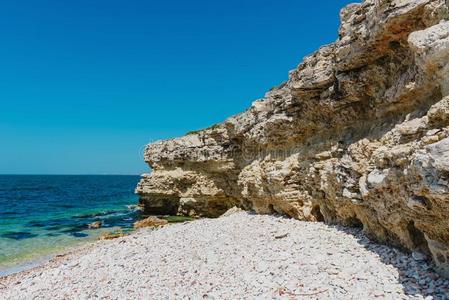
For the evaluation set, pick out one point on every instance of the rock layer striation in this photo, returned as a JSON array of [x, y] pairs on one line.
[[358, 135]]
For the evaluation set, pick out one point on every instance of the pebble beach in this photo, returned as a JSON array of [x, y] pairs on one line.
[[241, 256]]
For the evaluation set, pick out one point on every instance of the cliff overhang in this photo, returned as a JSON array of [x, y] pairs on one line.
[[358, 135]]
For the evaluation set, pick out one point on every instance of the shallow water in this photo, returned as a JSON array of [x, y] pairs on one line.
[[41, 215]]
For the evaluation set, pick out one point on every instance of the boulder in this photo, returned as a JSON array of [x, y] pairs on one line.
[[150, 222]]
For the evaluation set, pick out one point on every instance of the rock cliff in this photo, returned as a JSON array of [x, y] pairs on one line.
[[358, 135]]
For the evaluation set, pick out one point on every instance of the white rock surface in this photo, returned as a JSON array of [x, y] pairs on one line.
[[242, 256]]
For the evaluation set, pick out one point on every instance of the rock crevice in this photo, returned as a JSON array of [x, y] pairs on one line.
[[358, 135]]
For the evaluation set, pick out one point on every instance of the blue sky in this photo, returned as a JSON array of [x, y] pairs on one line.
[[84, 85]]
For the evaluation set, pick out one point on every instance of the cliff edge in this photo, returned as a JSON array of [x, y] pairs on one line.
[[358, 135]]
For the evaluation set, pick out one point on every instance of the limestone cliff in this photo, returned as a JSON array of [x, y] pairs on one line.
[[358, 135]]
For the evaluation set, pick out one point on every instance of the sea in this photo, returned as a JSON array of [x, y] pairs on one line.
[[42, 215]]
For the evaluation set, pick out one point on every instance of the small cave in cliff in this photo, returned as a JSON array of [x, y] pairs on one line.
[[154, 205], [418, 239], [353, 222], [316, 212]]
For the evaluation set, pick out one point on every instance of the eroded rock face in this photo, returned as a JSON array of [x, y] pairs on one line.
[[358, 135]]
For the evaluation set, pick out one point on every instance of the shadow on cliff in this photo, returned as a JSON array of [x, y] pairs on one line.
[[418, 277]]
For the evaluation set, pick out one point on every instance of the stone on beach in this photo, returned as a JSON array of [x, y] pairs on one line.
[[111, 235], [151, 221]]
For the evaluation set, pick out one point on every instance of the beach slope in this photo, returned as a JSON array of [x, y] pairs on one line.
[[239, 256]]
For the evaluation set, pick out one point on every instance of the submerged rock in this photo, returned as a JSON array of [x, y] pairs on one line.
[[78, 234], [18, 235], [358, 135], [95, 225]]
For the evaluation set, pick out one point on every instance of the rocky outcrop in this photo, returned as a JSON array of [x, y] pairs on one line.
[[358, 135]]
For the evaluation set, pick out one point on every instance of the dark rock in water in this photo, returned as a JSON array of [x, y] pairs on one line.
[[56, 228], [36, 224], [64, 205], [18, 235], [52, 224], [82, 217], [75, 224], [79, 234], [10, 213]]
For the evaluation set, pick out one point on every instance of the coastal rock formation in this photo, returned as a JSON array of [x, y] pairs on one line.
[[358, 135]]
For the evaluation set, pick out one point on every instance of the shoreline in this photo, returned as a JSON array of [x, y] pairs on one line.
[[57, 251], [231, 257], [24, 266], [51, 260], [94, 239]]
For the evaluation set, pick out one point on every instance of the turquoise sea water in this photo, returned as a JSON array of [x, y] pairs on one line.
[[43, 215]]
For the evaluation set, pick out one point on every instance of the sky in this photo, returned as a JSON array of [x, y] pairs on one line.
[[84, 85]]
